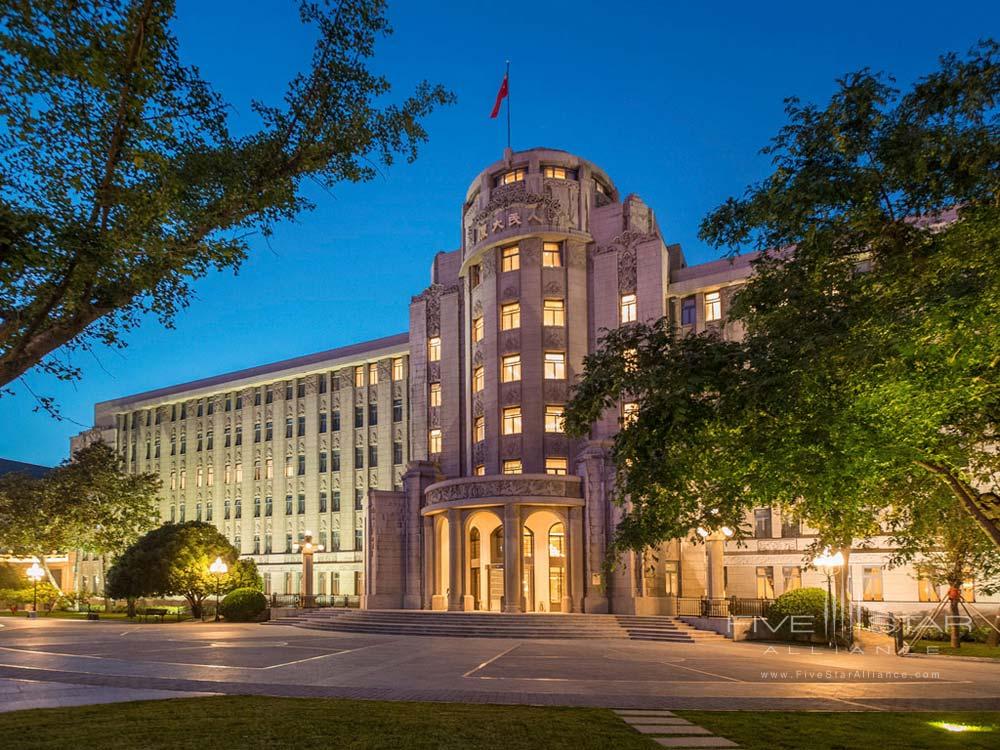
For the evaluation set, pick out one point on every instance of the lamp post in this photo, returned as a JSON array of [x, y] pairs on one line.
[[306, 546], [828, 562], [35, 573], [218, 569]]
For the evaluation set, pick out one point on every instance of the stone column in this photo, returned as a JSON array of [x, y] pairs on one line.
[[429, 554], [715, 548], [512, 558], [574, 551], [456, 561]]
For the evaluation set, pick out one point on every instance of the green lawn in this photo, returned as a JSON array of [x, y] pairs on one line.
[[277, 723], [781, 730], [967, 649]]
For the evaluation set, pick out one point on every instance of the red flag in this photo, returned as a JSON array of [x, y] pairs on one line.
[[501, 95]]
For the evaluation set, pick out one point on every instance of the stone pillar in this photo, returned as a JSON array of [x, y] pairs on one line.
[[306, 581], [715, 548], [575, 548], [456, 561], [512, 558], [429, 555]]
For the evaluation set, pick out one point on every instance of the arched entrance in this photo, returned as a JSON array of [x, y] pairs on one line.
[[546, 577], [484, 565]]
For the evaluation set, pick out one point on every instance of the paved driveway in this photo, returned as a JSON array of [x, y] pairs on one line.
[[111, 659]]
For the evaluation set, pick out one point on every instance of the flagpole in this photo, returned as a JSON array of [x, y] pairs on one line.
[[507, 77]]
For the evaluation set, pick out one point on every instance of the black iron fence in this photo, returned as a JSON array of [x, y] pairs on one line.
[[300, 601], [734, 607]]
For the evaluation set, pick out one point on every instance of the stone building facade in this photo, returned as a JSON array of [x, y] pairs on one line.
[[454, 486]]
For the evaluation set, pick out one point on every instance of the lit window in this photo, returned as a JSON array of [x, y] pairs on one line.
[[479, 429], [554, 416], [477, 329], [359, 376], [792, 576], [435, 394], [765, 582], [512, 466], [628, 308], [512, 420], [713, 306], [269, 468], [474, 275], [434, 441], [198, 477], [552, 254], [510, 316], [557, 466], [434, 349], [397, 368], [479, 470], [926, 590], [511, 368], [373, 373], [555, 365], [183, 476], [554, 312], [238, 471], [210, 476], [688, 308], [478, 379], [630, 412], [872, 581], [510, 259], [557, 173], [514, 175]]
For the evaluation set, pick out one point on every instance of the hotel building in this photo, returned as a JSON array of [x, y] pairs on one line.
[[432, 466]]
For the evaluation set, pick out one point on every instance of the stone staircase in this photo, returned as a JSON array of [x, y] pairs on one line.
[[496, 625]]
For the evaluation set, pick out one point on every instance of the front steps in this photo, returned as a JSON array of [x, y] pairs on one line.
[[495, 625]]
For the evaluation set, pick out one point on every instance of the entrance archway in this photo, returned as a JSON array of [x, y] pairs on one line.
[[484, 560], [548, 575]]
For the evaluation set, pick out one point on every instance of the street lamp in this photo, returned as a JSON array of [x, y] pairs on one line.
[[218, 569], [35, 573], [306, 546], [828, 562]]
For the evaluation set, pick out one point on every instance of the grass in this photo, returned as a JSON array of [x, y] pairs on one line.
[[967, 649], [245, 722], [785, 730], [67, 615]]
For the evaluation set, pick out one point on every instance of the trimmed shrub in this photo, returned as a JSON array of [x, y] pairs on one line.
[[809, 608], [243, 605]]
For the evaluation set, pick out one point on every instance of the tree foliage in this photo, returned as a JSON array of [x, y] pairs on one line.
[[88, 502], [121, 182], [172, 560], [867, 378]]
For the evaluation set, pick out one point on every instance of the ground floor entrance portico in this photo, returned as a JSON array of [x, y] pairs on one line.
[[476, 555]]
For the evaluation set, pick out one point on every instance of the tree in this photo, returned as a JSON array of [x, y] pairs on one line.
[[172, 560], [89, 502], [120, 182], [11, 577], [872, 327], [243, 574]]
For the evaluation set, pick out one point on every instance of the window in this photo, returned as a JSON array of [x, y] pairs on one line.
[[434, 349], [478, 429], [478, 379], [239, 471], [510, 258], [789, 526], [301, 504], [688, 311], [288, 505], [321, 383], [210, 476], [300, 389], [792, 577], [357, 545], [556, 466], [713, 306], [256, 471], [335, 420], [322, 504], [239, 434], [435, 394], [765, 581], [183, 443], [629, 311], [554, 415], [288, 391], [373, 373], [372, 456], [269, 506], [552, 254], [256, 544], [359, 376], [359, 416], [226, 510], [238, 508], [514, 175], [397, 410], [434, 441], [289, 467], [927, 591], [477, 329], [335, 460], [322, 421], [510, 316], [512, 420], [198, 444], [479, 470], [762, 523], [554, 312], [288, 427], [359, 498], [256, 507], [510, 368], [397, 453], [322, 462], [269, 395], [512, 466], [269, 430], [256, 397], [183, 478], [302, 464], [397, 368], [173, 480], [474, 276], [336, 501], [209, 440], [555, 365], [872, 582], [239, 401], [256, 432], [558, 173]]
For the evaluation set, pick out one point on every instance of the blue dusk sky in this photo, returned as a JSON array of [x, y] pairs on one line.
[[673, 99]]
